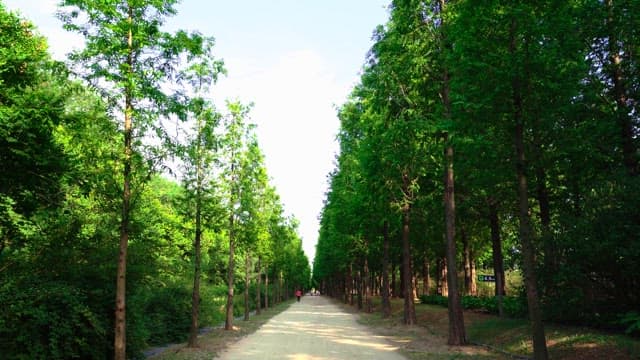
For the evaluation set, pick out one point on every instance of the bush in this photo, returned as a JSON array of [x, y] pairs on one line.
[[631, 321], [512, 306], [434, 300], [49, 321], [160, 316]]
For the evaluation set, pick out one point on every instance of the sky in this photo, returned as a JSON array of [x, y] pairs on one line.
[[295, 60]]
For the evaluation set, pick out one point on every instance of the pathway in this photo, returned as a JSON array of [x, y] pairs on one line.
[[312, 329]]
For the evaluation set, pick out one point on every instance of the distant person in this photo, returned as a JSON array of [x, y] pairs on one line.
[[298, 294]]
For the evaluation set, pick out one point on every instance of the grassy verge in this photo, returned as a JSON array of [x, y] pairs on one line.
[[425, 341], [510, 338], [212, 343], [563, 342]]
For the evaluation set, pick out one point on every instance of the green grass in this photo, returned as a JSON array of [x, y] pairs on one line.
[[513, 336], [505, 336]]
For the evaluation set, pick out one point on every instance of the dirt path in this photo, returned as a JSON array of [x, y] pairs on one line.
[[313, 329]]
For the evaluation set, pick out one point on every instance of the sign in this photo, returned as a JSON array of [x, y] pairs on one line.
[[487, 278]]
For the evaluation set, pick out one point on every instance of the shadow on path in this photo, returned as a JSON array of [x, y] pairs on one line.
[[312, 329]]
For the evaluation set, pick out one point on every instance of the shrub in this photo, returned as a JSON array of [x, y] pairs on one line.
[[512, 306], [434, 300], [49, 321], [631, 321]]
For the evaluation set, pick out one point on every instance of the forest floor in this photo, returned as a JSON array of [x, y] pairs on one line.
[[503, 338], [310, 325]]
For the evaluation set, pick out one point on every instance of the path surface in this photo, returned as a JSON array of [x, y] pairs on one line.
[[313, 329]]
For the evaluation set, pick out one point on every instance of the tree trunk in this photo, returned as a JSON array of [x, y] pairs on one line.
[[247, 282], [498, 262], [474, 278], [386, 302], [359, 288], [401, 281], [409, 306], [280, 296], [457, 335], [426, 278], [526, 231], [467, 262], [394, 286], [550, 252], [266, 287], [120, 335], [228, 324], [195, 297], [368, 288], [443, 289], [259, 288], [622, 112]]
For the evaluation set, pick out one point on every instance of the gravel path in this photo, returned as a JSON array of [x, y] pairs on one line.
[[312, 329]]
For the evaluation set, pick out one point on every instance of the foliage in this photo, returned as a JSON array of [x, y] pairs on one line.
[[631, 321], [547, 90], [50, 320], [514, 306]]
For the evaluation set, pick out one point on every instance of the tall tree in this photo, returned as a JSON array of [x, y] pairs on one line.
[[200, 157], [234, 145], [131, 60], [457, 334]]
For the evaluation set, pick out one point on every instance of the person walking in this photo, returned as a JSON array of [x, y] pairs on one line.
[[298, 294]]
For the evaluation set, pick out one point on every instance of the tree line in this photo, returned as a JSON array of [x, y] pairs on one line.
[[492, 135], [126, 196]]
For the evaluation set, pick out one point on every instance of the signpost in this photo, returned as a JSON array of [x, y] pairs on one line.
[[487, 278]]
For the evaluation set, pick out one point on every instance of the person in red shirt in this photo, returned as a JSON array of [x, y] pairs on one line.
[[298, 294]]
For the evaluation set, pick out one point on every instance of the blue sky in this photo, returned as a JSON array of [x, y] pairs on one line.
[[296, 60]]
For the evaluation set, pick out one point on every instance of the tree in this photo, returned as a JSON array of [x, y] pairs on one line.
[[33, 90], [200, 159], [129, 58], [234, 143]]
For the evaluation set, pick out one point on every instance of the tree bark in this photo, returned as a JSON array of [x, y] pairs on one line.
[[622, 112], [266, 287], [259, 288], [525, 229], [247, 282], [443, 289], [120, 336], [550, 252], [401, 281], [359, 289], [368, 288], [228, 324], [426, 278], [195, 297], [467, 262], [498, 260], [457, 335], [386, 302], [394, 287], [409, 306]]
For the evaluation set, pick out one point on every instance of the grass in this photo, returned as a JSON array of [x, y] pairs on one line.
[[212, 343], [425, 341], [502, 338]]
